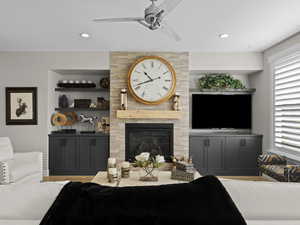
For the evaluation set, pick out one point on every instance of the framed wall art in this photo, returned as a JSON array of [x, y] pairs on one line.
[[21, 106]]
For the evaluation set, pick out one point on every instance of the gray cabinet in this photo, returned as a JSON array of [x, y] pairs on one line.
[[77, 154], [227, 155]]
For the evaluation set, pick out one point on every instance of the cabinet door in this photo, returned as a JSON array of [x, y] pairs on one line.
[[93, 154], [198, 153], [63, 154], [241, 155], [215, 155]]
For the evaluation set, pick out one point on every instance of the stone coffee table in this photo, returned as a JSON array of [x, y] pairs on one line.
[[164, 177]]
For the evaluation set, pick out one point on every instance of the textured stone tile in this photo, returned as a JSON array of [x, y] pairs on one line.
[[120, 63]]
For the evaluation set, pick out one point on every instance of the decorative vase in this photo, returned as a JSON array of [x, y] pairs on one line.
[[149, 174]]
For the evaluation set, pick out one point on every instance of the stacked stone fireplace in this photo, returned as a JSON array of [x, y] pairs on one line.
[[177, 143]]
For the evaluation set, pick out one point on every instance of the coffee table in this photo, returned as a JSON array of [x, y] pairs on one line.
[[164, 177]]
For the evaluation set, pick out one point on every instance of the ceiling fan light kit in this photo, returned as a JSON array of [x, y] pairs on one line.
[[153, 18]]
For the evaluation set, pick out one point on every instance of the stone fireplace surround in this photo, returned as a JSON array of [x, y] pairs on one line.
[[120, 63]]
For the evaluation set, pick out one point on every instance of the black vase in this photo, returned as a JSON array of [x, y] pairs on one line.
[[63, 101]]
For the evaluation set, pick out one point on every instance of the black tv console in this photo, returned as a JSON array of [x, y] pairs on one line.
[[225, 154]]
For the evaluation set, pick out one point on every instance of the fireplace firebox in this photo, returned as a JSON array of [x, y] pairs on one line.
[[155, 138]]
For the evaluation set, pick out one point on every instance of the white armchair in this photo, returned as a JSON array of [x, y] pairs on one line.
[[19, 167]]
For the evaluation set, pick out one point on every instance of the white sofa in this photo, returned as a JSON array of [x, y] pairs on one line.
[[261, 203], [19, 167]]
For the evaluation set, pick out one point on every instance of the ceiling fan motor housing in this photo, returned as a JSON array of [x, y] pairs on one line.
[[151, 14]]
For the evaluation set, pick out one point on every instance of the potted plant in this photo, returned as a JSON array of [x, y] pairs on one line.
[[149, 165]]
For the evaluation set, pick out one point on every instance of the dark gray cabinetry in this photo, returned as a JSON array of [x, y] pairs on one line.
[[77, 154], [227, 155]]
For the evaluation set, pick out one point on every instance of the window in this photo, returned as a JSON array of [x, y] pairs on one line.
[[287, 103]]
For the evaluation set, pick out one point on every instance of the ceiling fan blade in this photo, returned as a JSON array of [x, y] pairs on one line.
[[168, 6], [169, 31], [119, 20]]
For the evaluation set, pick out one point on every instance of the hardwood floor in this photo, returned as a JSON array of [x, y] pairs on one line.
[[89, 178]]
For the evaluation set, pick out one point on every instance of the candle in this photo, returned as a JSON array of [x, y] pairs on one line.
[[125, 164], [112, 161], [112, 171]]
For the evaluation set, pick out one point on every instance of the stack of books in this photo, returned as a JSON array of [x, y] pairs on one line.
[[183, 171]]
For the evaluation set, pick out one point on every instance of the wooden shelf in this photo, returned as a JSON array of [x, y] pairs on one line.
[[82, 89], [149, 114], [79, 109]]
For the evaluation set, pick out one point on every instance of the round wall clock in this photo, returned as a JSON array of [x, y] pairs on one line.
[[151, 80]]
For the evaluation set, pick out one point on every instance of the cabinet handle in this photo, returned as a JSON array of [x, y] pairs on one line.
[[206, 143], [243, 142]]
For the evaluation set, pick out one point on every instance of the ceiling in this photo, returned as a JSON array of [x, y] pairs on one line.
[[55, 25]]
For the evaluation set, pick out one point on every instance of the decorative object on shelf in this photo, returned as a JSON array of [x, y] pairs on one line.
[[125, 170], [104, 82], [176, 102], [72, 118], [219, 81], [93, 105], [63, 101], [149, 165], [76, 84], [64, 119], [58, 119], [143, 83], [102, 103], [21, 106], [123, 99], [87, 119], [103, 125], [82, 103]]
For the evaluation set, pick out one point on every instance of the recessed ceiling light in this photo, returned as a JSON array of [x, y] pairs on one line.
[[85, 35], [223, 35]]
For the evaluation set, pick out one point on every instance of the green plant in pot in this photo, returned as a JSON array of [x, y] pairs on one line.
[[219, 81]]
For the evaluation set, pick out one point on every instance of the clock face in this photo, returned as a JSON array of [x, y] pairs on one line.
[[152, 80]]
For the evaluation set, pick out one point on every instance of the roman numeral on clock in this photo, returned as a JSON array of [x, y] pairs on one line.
[[164, 87], [144, 66], [137, 88], [152, 64], [143, 94], [166, 72], [168, 80]]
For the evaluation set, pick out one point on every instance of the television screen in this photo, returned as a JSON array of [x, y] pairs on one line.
[[221, 111]]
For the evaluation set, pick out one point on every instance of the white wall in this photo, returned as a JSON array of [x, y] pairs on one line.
[[31, 69], [262, 101]]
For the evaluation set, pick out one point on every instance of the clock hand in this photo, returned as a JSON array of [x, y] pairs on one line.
[[147, 81], [147, 75]]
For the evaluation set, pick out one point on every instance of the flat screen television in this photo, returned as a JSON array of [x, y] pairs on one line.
[[221, 111]]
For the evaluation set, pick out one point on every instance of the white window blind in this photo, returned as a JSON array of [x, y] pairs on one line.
[[287, 103]]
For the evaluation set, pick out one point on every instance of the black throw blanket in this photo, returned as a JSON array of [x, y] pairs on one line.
[[202, 202]]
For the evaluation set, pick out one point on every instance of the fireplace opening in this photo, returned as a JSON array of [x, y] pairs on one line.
[[155, 138]]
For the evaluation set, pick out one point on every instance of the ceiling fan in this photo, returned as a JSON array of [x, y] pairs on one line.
[[153, 18]]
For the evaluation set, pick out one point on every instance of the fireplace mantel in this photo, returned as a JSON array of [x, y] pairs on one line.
[[149, 114]]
